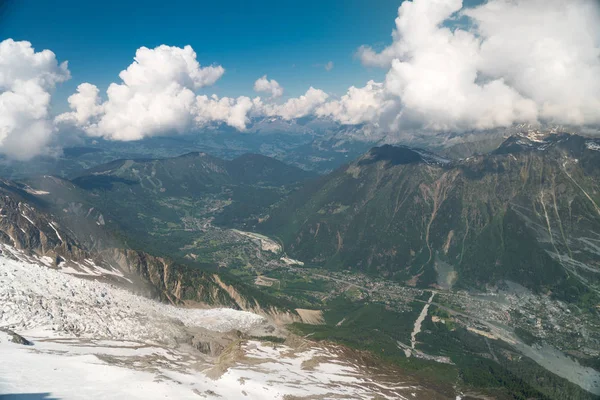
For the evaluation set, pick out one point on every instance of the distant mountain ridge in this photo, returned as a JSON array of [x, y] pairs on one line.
[[192, 173], [527, 212], [469, 231], [401, 155]]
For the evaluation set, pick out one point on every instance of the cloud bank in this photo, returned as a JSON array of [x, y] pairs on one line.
[[448, 68], [157, 96], [233, 112], [27, 78], [293, 108], [520, 61]]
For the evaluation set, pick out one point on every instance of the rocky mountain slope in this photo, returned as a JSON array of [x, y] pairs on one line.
[[30, 233], [524, 213], [528, 212]]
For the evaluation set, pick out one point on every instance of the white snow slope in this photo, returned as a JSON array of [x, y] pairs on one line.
[[93, 340]]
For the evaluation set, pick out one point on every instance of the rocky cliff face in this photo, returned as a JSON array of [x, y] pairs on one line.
[[24, 227], [277, 314], [168, 281]]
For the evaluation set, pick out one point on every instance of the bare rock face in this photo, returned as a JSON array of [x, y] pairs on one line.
[[24, 227], [167, 280], [16, 338], [183, 285], [211, 346]]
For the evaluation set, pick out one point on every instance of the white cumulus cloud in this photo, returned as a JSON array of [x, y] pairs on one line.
[[232, 111], [156, 96], [449, 67], [263, 84], [520, 61], [547, 50], [26, 80], [85, 105], [296, 107], [358, 105]]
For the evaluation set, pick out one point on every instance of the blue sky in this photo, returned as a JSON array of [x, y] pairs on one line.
[[523, 62], [288, 40]]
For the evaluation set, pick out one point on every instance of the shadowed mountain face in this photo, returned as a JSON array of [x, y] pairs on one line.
[[526, 213], [392, 155]]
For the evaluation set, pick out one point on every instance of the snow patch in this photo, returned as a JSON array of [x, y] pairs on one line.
[[431, 158], [592, 146], [27, 218], [534, 136], [56, 231], [36, 192]]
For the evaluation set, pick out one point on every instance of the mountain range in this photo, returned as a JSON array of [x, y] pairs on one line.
[[527, 212], [463, 271]]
